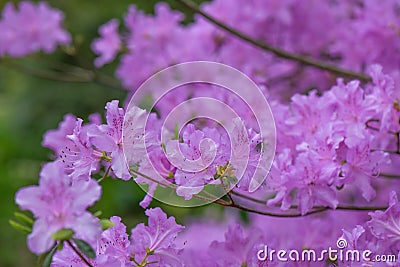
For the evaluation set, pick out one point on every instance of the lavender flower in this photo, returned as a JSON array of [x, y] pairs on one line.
[[31, 28], [56, 204]]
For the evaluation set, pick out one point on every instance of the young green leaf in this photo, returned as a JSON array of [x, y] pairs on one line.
[[20, 227], [85, 248], [49, 257], [106, 223], [24, 218], [97, 213], [63, 234]]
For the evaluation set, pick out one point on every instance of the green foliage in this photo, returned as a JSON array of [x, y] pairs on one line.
[[20, 227], [48, 257], [85, 248], [63, 234], [106, 224], [24, 218]]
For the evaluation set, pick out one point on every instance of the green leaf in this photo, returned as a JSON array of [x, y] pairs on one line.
[[23, 218], [230, 179], [244, 216], [20, 227], [134, 167], [85, 248], [149, 252], [176, 132], [97, 213], [106, 223], [49, 257], [60, 246], [63, 234]]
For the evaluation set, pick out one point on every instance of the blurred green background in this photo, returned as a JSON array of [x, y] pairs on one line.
[[29, 106]]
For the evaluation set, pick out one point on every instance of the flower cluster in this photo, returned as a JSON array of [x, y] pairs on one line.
[[338, 147], [108, 45], [83, 147], [30, 28], [153, 244], [380, 234], [324, 163], [338, 144], [288, 24], [59, 203]]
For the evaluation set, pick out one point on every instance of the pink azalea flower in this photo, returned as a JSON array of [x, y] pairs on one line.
[[31, 28], [108, 137], [67, 257], [385, 225], [238, 248], [56, 139], [157, 237], [115, 242], [79, 157], [56, 203], [108, 45]]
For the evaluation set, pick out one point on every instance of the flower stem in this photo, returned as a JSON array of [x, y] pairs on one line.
[[105, 174], [274, 214], [248, 197], [173, 187], [65, 75], [79, 253], [389, 175], [233, 204]]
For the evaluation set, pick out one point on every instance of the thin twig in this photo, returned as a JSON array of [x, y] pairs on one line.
[[273, 214], [48, 75], [226, 204], [83, 76], [173, 187], [339, 207], [226, 190], [389, 175], [367, 124], [361, 208], [259, 201], [277, 51], [315, 209], [79, 254], [105, 174], [169, 185]]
